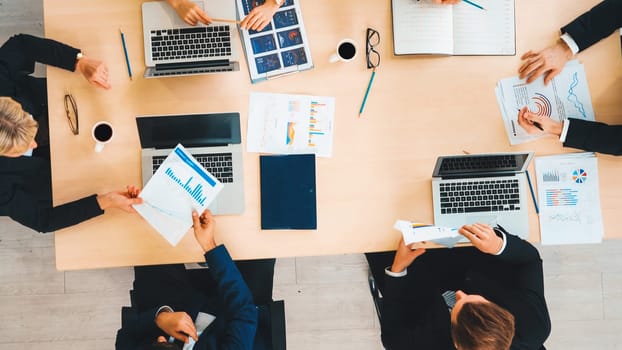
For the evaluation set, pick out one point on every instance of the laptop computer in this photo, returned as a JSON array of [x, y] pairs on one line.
[[173, 48], [214, 141], [485, 188]]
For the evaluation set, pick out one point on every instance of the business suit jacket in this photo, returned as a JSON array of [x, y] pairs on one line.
[[586, 30], [229, 299], [415, 315], [25, 182]]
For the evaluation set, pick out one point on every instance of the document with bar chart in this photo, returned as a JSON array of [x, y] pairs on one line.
[[179, 185], [290, 124], [569, 199]]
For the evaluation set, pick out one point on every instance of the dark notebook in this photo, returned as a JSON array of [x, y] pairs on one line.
[[288, 192]]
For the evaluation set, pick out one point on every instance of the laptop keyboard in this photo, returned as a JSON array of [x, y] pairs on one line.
[[476, 162], [471, 196], [196, 42], [218, 164]]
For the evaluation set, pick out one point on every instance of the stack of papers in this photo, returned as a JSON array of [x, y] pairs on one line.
[[414, 232], [566, 96], [569, 199], [290, 124], [179, 185]]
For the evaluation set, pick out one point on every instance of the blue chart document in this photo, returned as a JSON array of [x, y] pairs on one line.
[[180, 185], [566, 96]]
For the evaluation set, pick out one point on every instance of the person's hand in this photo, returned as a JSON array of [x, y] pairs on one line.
[[179, 325], [190, 12], [260, 16], [530, 122], [95, 71], [404, 256], [447, 2], [204, 229], [549, 62], [483, 237], [121, 199]]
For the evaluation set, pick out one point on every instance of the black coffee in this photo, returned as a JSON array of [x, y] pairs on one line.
[[103, 132], [347, 51]]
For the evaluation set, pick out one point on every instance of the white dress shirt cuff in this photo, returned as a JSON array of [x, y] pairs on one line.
[[164, 308], [571, 43], [565, 125], [505, 242], [388, 271]]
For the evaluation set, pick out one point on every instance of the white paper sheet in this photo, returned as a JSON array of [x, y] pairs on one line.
[[179, 185], [290, 124], [413, 232], [569, 199], [422, 27], [489, 32], [566, 96]]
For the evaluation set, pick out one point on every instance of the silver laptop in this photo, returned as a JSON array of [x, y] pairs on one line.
[[173, 48], [485, 188], [213, 139]]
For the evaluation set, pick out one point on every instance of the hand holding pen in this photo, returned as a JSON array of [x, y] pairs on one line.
[[532, 122]]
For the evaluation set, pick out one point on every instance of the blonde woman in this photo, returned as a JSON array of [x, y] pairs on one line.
[[25, 180]]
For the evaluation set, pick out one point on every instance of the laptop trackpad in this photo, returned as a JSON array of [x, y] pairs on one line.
[[482, 219]]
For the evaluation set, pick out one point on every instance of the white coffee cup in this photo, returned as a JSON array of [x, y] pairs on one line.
[[346, 51], [102, 134]]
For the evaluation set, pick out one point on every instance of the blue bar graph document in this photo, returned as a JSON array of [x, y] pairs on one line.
[[179, 185]]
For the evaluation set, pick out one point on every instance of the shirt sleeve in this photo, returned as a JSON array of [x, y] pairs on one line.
[[571, 43], [388, 272], [565, 126]]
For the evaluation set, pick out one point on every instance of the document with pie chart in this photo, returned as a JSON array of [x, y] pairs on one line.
[[569, 199]]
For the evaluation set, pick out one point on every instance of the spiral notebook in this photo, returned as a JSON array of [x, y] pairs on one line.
[[423, 27]]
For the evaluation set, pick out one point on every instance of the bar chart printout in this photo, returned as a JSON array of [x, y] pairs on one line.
[[179, 186], [569, 199]]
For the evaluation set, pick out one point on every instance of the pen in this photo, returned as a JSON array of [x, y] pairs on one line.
[[536, 124], [533, 195], [371, 81], [474, 4], [127, 58]]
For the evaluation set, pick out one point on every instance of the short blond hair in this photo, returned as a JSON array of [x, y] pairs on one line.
[[17, 127]]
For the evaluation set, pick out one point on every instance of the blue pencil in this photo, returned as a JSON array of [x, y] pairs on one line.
[[533, 195], [474, 4], [371, 81], [127, 58]]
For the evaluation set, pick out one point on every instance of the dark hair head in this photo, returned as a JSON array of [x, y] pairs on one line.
[[483, 326]]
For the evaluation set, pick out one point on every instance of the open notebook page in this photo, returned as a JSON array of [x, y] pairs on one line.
[[422, 27], [490, 32]]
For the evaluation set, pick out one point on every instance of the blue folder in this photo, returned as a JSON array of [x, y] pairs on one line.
[[288, 192]]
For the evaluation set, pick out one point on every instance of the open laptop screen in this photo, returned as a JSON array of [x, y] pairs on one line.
[[481, 164], [191, 130]]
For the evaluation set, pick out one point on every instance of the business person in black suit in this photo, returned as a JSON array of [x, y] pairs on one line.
[[168, 299], [25, 179], [499, 294], [578, 35]]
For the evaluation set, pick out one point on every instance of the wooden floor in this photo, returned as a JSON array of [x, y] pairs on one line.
[[327, 300]]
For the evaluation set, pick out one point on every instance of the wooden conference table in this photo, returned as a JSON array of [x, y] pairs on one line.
[[419, 108]]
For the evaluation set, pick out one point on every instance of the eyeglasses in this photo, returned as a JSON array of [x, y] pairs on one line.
[[373, 57], [71, 109]]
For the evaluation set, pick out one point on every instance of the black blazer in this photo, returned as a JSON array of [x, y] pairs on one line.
[[415, 316], [25, 182], [219, 291], [586, 30]]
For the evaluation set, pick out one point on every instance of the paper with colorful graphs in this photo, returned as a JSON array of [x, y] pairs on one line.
[[179, 186], [566, 96], [290, 124]]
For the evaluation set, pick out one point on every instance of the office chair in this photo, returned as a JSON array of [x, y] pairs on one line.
[[375, 294]]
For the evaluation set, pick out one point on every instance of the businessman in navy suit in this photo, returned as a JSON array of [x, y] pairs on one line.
[[578, 35], [488, 296], [167, 300]]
